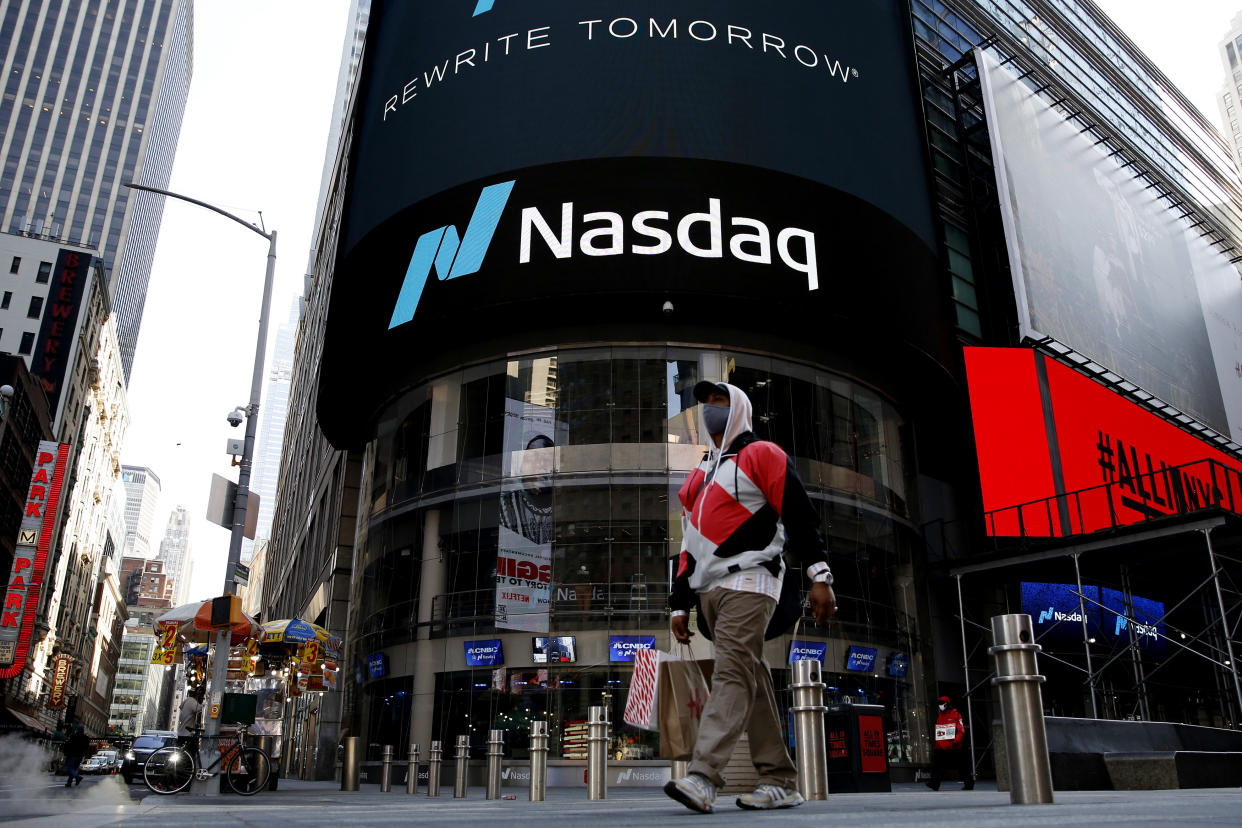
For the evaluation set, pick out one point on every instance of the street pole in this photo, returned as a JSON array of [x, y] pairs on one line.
[[220, 660]]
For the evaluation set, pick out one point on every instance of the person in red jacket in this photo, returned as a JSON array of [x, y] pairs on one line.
[[949, 751]]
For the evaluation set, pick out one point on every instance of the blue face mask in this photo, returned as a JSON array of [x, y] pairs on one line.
[[715, 417]]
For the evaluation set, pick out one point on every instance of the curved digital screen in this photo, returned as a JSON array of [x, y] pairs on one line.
[[539, 167]]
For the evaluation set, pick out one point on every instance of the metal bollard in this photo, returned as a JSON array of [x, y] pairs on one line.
[[433, 770], [350, 764], [463, 760], [1022, 711], [678, 769], [411, 770], [386, 770], [808, 709], [495, 755], [597, 753], [538, 761]]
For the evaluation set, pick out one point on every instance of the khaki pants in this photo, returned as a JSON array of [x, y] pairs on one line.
[[742, 699]]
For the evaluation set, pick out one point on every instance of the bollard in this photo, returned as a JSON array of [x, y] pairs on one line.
[[495, 754], [538, 761], [411, 770], [679, 768], [597, 753], [1022, 711], [808, 711], [350, 764], [433, 770], [463, 759], [386, 770]]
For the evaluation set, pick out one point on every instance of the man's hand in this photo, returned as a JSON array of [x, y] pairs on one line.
[[823, 603], [681, 629]]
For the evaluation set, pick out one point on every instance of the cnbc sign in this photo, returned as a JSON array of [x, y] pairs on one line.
[[566, 233]]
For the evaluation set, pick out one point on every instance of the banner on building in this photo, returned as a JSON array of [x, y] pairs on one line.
[[57, 332], [60, 681], [34, 539]]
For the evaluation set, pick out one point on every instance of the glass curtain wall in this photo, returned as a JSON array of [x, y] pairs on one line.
[[548, 485]]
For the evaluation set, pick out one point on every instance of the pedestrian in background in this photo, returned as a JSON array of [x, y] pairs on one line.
[[75, 749], [742, 509], [949, 752]]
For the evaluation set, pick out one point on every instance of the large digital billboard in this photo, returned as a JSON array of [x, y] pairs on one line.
[[551, 171], [1104, 265], [1057, 614], [1043, 430]]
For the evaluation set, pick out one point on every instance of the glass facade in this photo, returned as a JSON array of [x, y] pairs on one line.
[[536, 496]]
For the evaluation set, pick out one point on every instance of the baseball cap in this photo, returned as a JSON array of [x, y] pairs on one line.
[[704, 389]]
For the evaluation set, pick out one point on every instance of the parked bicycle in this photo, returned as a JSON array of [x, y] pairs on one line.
[[172, 768]]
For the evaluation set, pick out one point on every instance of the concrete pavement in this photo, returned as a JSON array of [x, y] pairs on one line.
[[108, 802]]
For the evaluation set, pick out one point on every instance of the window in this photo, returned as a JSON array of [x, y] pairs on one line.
[[27, 343], [36, 307], [45, 272], [17, 262], [6, 299]]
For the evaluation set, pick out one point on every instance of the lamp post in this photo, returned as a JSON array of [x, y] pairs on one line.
[[220, 660]]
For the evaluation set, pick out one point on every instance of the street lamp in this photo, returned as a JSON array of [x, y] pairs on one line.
[[220, 661]]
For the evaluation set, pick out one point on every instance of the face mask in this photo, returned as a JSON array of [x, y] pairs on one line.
[[715, 417], [943, 707]]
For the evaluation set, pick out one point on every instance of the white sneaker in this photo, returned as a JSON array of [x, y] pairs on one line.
[[767, 797], [693, 791]]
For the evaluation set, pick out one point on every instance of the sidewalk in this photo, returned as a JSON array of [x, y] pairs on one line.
[[323, 804]]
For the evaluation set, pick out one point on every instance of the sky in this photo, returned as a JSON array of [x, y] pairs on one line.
[[253, 139], [1180, 38]]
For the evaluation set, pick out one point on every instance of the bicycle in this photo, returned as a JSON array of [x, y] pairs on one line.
[[172, 768]]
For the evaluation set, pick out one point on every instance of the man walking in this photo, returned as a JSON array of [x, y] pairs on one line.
[[949, 752], [75, 748], [741, 509]]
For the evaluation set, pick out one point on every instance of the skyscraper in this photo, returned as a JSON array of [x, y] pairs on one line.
[[94, 95], [266, 470], [142, 495], [175, 555], [1230, 95]]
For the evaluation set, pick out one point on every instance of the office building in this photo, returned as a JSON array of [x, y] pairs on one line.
[[174, 557], [1016, 202], [1230, 96], [94, 95], [142, 497]]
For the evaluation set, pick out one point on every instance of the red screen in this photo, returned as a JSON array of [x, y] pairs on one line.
[[1117, 459]]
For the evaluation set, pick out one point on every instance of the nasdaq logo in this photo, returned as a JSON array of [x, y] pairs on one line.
[[449, 254], [1045, 615], [1053, 614], [483, 6], [1148, 630]]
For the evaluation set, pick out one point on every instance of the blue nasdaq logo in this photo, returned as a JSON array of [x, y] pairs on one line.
[[623, 647], [449, 254], [484, 6]]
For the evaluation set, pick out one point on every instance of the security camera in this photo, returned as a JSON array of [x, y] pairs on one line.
[[668, 306], [236, 416]]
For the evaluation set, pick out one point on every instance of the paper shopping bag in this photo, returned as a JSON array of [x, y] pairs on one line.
[[681, 695], [640, 704]]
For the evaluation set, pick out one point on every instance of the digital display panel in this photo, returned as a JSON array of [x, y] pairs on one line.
[[899, 665], [669, 151], [621, 648], [555, 649], [1057, 617], [860, 659], [807, 651], [488, 653], [1120, 464], [377, 665], [1106, 264]]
